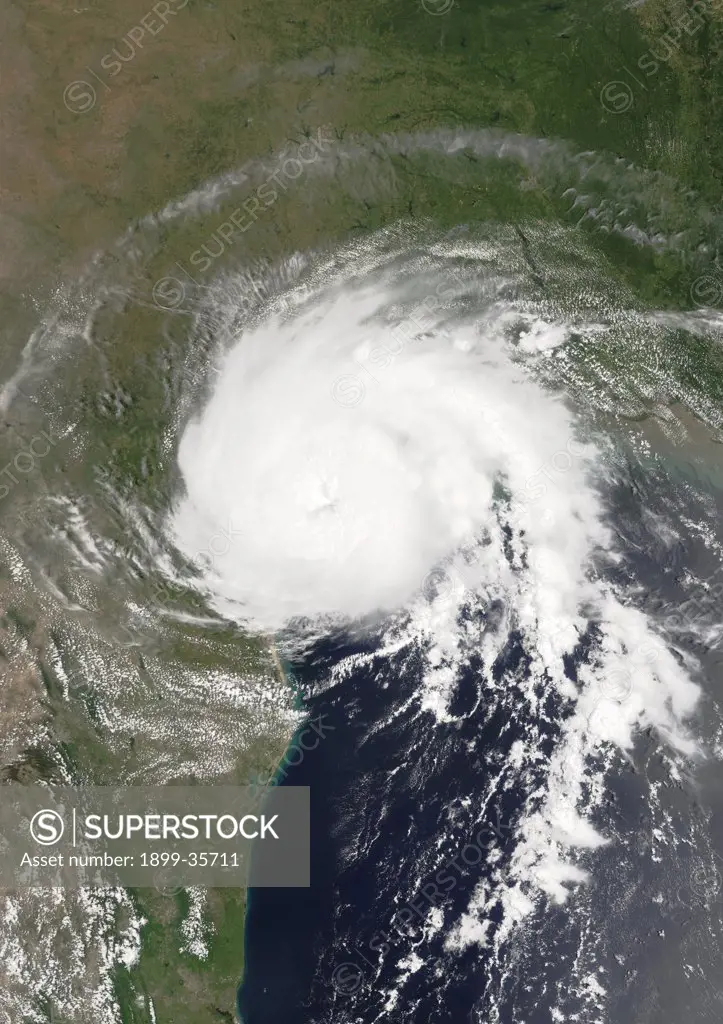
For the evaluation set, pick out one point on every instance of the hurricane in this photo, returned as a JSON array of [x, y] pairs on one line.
[[434, 474]]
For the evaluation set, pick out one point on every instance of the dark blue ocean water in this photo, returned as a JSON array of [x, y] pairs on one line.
[[388, 815]]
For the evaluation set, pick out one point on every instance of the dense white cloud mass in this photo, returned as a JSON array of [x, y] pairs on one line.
[[342, 456]]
